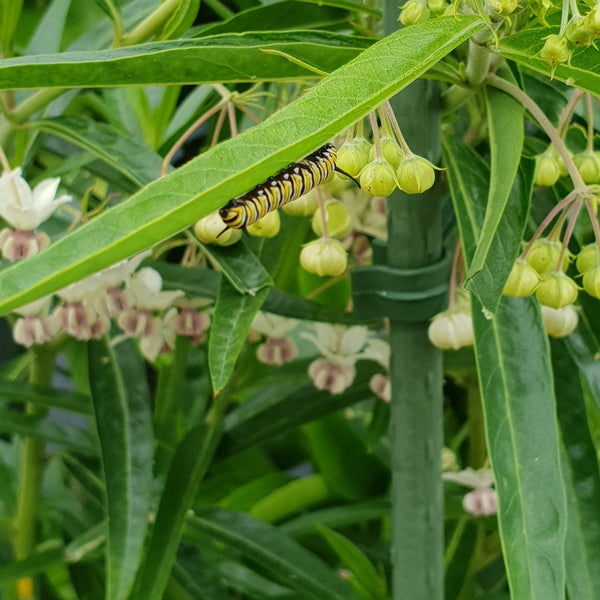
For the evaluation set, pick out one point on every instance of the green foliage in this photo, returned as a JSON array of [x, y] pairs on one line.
[[213, 422]]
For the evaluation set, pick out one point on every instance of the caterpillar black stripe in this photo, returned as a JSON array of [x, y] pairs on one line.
[[286, 186]]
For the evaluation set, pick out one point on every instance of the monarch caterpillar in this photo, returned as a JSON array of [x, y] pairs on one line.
[[286, 186]]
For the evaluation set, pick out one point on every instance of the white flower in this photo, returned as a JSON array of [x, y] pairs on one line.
[[481, 502], [338, 343], [160, 339], [277, 351], [120, 272], [23, 208], [330, 376], [82, 290], [471, 477], [273, 325], [146, 287]]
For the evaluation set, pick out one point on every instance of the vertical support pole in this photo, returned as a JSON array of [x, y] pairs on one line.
[[415, 240]]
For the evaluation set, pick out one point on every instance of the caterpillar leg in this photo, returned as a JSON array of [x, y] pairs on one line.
[[342, 172]]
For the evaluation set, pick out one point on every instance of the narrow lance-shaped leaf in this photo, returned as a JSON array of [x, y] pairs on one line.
[[122, 407], [582, 481], [171, 203], [506, 131], [515, 378]]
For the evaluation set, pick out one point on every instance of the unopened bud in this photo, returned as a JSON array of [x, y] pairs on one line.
[[339, 220], [547, 170], [451, 330], [588, 258], [413, 12], [212, 230], [591, 282], [378, 178], [390, 150], [352, 158], [556, 290], [324, 257], [267, 226], [555, 50], [577, 33], [522, 281], [304, 206], [559, 322], [591, 21], [588, 166], [544, 254], [415, 175]]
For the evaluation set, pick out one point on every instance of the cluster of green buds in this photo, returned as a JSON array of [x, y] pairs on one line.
[[418, 11], [588, 264], [549, 168], [539, 272], [385, 165]]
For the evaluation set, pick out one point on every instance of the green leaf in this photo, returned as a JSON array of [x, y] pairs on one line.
[[188, 467], [369, 582], [74, 402], [523, 446], [581, 72], [229, 327], [225, 58], [69, 437], [468, 176], [10, 11], [582, 482], [506, 132], [52, 554], [343, 459], [263, 546], [181, 19], [122, 406], [115, 148], [262, 418], [171, 203], [53, 21]]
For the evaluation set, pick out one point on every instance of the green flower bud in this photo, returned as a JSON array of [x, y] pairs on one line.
[[304, 206], [363, 144], [591, 21], [267, 227], [522, 281], [588, 166], [413, 12], [543, 255], [591, 282], [588, 258], [324, 257], [415, 175], [390, 150], [351, 158], [577, 34], [547, 170], [556, 290], [555, 50], [437, 7], [378, 178], [451, 330], [560, 322], [339, 220], [503, 7], [561, 163], [208, 228]]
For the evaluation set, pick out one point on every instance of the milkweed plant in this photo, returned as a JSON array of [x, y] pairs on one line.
[[194, 403]]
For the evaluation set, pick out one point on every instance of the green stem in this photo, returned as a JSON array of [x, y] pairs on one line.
[[148, 27], [34, 104], [31, 462], [170, 382], [544, 123], [416, 434], [477, 448]]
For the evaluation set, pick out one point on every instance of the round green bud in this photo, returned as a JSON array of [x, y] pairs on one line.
[[413, 12], [212, 230], [339, 220], [437, 7], [591, 282], [451, 330], [503, 7], [352, 158], [390, 150], [547, 170], [588, 166], [324, 257], [555, 50], [588, 258], [363, 144], [543, 255], [556, 290], [378, 178], [591, 21], [415, 175], [522, 281], [304, 206], [561, 163], [560, 322], [267, 227], [577, 34]]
